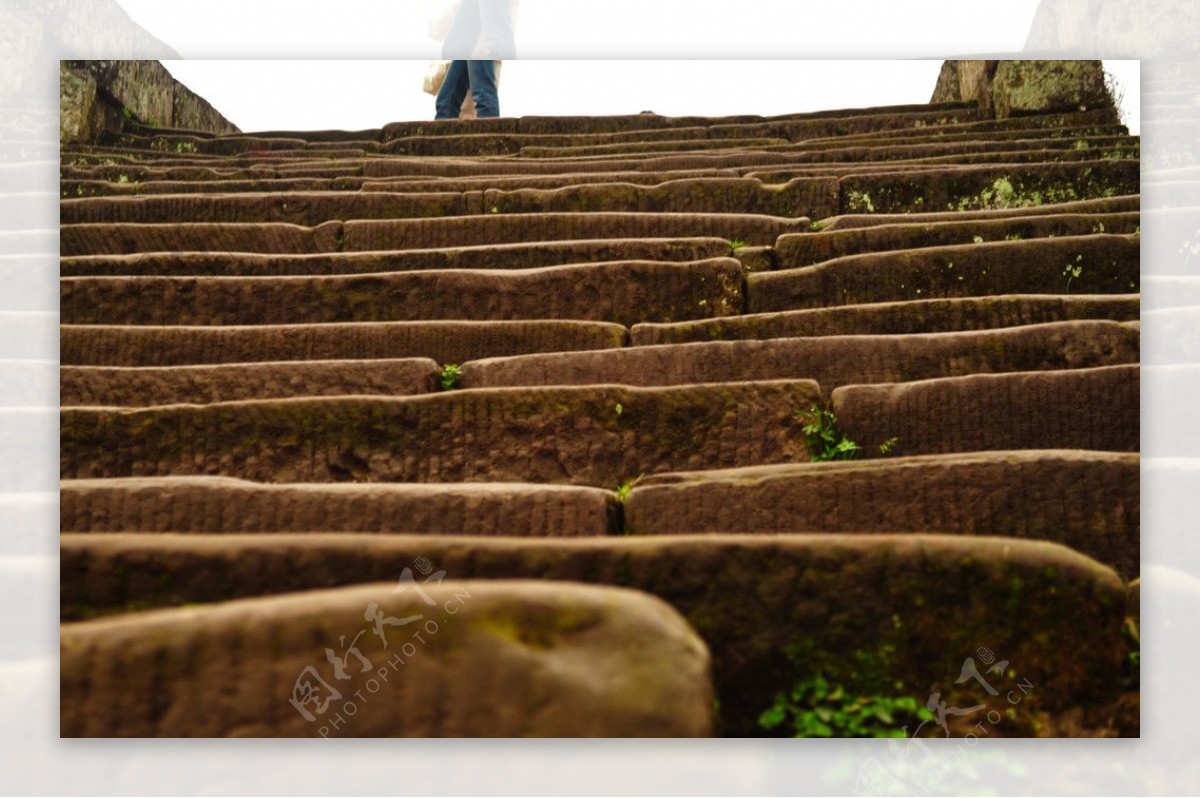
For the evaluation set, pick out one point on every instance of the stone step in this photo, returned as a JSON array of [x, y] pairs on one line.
[[1093, 264], [75, 189], [959, 146], [832, 361], [627, 122], [300, 208], [648, 147], [404, 234], [806, 249], [499, 256], [459, 145], [1012, 161], [123, 239], [897, 318], [198, 505], [442, 341], [1086, 500], [798, 197], [1123, 204], [598, 435], [143, 387], [881, 614], [541, 181], [136, 173], [500, 228], [496, 659], [810, 197], [622, 292], [971, 188], [1080, 408], [1101, 121]]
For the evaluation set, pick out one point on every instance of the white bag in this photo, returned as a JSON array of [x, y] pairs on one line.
[[435, 76]]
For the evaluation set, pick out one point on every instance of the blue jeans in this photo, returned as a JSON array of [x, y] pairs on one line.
[[479, 77]]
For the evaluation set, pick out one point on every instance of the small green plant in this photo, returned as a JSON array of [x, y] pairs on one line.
[[737, 243], [825, 441], [816, 227], [618, 409], [625, 487], [449, 375], [978, 239], [1072, 271], [814, 708]]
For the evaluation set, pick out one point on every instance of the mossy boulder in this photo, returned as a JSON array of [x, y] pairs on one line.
[[1027, 87]]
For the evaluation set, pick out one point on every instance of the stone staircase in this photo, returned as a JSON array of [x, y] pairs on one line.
[[542, 384]]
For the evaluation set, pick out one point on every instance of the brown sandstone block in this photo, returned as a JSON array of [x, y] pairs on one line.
[[1086, 500], [124, 239], [1090, 408], [1106, 264], [501, 256], [500, 228], [222, 505], [143, 387], [830, 360], [443, 341], [897, 318], [598, 435], [807, 249], [619, 292], [495, 659], [299, 208], [773, 610]]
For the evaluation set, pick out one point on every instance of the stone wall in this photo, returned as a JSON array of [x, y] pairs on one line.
[[100, 96], [1014, 88]]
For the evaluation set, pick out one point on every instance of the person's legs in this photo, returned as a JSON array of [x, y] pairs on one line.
[[454, 90], [482, 77]]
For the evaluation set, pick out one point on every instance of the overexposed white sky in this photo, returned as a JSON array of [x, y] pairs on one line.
[[581, 58]]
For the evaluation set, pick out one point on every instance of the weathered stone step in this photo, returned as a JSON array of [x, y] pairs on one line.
[[1082, 408], [597, 435], [806, 249], [143, 387], [495, 659], [959, 146], [181, 143], [637, 148], [301, 208], [868, 612], [76, 189], [124, 239], [969, 188], [798, 197], [224, 170], [849, 125], [831, 361], [539, 181], [1094, 264], [620, 123], [1086, 500], [811, 197], [502, 228], [458, 145], [1124, 204], [404, 234], [897, 318], [196, 505], [442, 341], [1101, 121], [1014, 160], [500, 256], [621, 292]]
